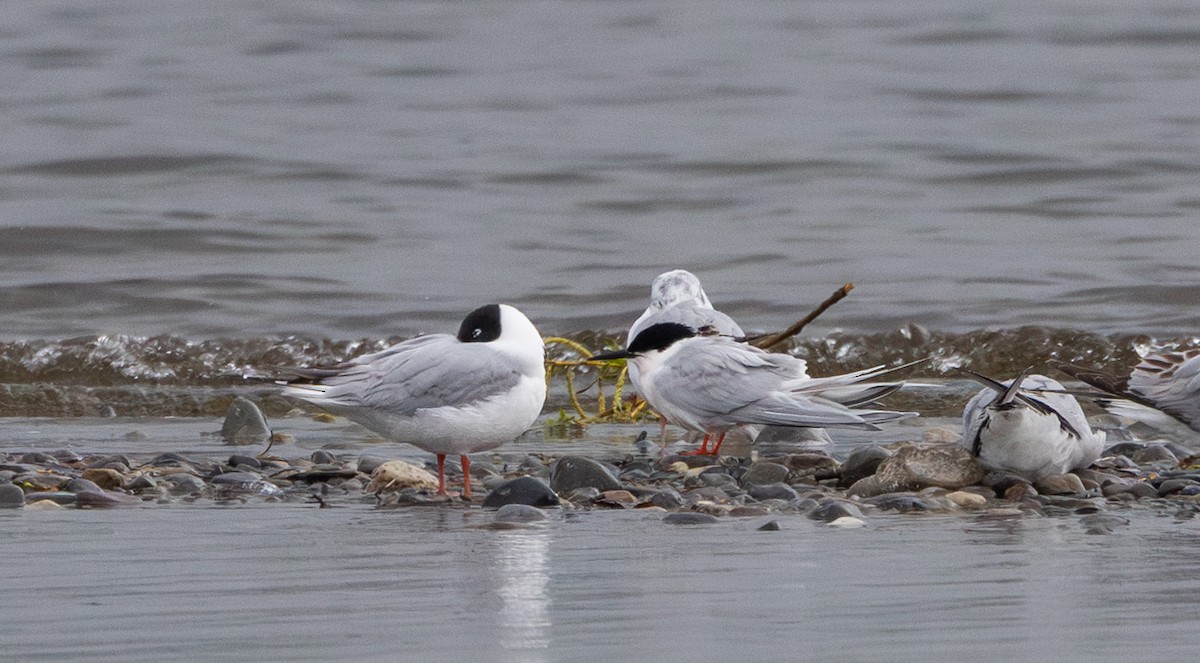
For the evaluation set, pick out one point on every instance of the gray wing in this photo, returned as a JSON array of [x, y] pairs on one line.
[[696, 317], [715, 376], [426, 372], [1171, 382]]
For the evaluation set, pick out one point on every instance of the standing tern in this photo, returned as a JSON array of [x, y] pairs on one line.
[[713, 384], [445, 394]]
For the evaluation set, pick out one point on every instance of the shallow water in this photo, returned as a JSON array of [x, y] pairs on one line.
[[288, 582], [184, 185], [291, 581]]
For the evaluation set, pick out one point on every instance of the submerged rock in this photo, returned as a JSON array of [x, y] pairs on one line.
[[689, 518], [245, 423], [519, 513], [529, 491]]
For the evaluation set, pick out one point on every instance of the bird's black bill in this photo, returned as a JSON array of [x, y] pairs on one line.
[[613, 354]]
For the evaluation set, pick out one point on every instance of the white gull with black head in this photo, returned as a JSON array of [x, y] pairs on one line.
[[445, 394]]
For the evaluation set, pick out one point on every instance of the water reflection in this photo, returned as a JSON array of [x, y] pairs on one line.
[[520, 570]]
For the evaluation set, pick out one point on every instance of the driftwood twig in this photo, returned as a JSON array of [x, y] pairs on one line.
[[769, 341]]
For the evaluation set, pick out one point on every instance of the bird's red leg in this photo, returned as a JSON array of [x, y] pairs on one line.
[[702, 451], [466, 468], [720, 439], [441, 458]]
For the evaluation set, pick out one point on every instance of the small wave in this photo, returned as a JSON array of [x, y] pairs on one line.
[[175, 376]]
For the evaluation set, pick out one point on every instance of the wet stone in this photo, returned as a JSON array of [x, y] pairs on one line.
[[689, 518], [244, 423], [570, 473], [105, 478], [717, 479], [1137, 489], [37, 458], [668, 499], [901, 502], [773, 491], [11, 497], [967, 500], [862, 463], [769, 526], [829, 510], [1154, 454], [529, 491], [103, 499], [914, 468], [323, 457], [814, 464], [749, 511], [765, 472], [584, 495], [58, 497], [368, 464], [141, 483], [184, 484], [1019, 492], [79, 485], [519, 513], [242, 460], [1060, 484]]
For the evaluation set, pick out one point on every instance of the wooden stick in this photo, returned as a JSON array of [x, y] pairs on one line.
[[771, 340]]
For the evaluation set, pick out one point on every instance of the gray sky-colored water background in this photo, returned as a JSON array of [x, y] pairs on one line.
[[232, 173]]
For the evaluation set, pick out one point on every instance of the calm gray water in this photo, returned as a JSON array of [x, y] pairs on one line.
[[347, 168], [287, 581], [343, 170]]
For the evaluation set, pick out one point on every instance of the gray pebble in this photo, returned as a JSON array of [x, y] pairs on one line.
[[242, 460], [58, 497], [323, 457], [862, 463], [519, 513], [1131, 487], [1154, 454], [773, 491], [764, 472], [368, 464], [89, 499], [571, 472], [529, 491], [79, 485], [689, 518], [829, 510], [11, 497], [184, 484]]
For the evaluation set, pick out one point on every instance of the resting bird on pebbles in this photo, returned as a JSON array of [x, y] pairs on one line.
[[713, 384], [1024, 427], [1161, 391], [459, 394]]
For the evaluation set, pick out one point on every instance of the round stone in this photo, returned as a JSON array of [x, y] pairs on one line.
[[573, 472], [529, 491], [11, 497]]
